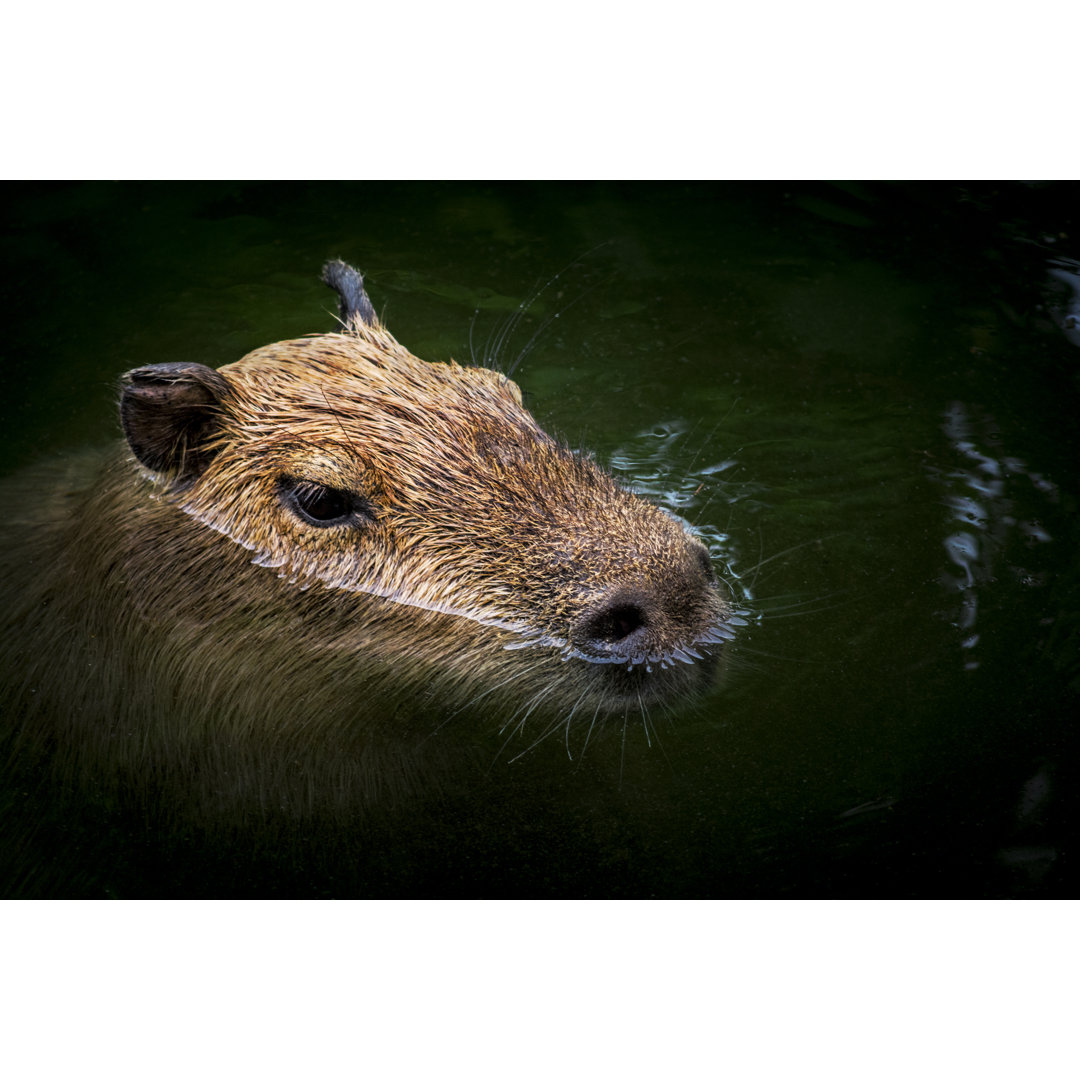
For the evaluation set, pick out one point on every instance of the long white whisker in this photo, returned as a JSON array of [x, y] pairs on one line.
[[472, 323], [515, 726], [622, 755], [592, 724], [701, 449], [537, 698], [569, 720], [491, 690], [788, 551], [644, 720], [543, 735]]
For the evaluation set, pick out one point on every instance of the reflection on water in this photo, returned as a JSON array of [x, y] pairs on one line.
[[988, 497]]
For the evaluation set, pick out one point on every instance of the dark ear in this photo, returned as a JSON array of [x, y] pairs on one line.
[[170, 413], [348, 283]]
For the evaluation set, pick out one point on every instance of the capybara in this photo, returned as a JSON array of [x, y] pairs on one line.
[[307, 576]]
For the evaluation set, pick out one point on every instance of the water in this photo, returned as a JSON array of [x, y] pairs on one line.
[[864, 400]]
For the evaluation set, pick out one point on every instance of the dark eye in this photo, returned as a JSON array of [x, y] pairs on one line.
[[324, 506]]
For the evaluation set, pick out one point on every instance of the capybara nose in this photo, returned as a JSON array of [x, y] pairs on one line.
[[617, 626], [660, 615], [634, 625]]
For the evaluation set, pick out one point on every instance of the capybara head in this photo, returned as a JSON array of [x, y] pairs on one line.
[[447, 525]]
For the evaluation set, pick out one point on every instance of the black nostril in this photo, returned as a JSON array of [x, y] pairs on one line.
[[615, 623]]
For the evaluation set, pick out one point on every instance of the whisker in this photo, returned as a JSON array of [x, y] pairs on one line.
[[531, 343], [800, 608], [515, 726], [592, 724], [755, 570], [645, 721], [569, 719], [491, 690], [546, 733], [622, 754], [788, 551], [748, 651], [669, 715], [708, 439], [498, 753], [538, 697], [501, 335], [472, 349]]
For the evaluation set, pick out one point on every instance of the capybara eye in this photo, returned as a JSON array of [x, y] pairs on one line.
[[323, 506]]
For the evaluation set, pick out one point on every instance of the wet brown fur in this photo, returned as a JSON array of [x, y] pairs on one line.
[[181, 629]]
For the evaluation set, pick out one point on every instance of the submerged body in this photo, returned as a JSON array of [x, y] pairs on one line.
[[311, 578]]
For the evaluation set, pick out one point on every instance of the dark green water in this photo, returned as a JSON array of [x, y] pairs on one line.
[[857, 394]]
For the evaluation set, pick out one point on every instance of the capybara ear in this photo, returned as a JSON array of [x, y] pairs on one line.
[[348, 283], [170, 414]]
